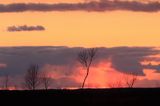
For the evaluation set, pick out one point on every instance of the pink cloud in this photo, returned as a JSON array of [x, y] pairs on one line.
[[3, 65]]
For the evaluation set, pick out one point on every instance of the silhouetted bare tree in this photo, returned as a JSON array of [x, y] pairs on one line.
[[116, 84], [130, 79], [32, 80], [46, 80], [86, 58], [6, 82]]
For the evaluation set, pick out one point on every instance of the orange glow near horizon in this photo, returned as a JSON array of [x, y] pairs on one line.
[[103, 75]]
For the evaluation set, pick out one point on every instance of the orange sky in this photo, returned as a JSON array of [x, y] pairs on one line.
[[83, 29], [87, 29], [77, 28]]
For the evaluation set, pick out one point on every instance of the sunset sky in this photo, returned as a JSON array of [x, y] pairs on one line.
[[80, 28], [131, 26]]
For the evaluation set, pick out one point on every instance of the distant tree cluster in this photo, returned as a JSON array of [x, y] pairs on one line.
[[34, 78], [127, 80]]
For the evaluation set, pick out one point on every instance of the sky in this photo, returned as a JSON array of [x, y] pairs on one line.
[[88, 28], [123, 25]]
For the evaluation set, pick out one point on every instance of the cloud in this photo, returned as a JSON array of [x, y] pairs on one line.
[[128, 59], [57, 56], [153, 67], [145, 83], [2, 65], [61, 61], [25, 28], [127, 64], [102, 5], [122, 58]]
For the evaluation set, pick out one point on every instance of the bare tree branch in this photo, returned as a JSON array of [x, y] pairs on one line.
[[116, 84], [6, 82], [32, 80], [86, 57], [130, 79], [46, 80]]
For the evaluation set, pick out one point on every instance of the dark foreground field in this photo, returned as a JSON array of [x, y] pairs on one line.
[[90, 97]]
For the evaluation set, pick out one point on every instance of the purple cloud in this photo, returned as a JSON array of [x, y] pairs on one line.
[[102, 5], [25, 28]]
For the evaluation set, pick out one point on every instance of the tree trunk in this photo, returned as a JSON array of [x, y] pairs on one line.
[[85, 78]]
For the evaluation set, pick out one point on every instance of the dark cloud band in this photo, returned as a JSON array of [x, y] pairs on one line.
[[123, 59], [61, 61], [103, 5], [25, 28]]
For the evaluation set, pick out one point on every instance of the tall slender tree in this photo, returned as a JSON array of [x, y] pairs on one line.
[[86, 57]]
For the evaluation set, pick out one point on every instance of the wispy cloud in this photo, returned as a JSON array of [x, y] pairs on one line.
[[102, 5], [25, 28], [153, 67]]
